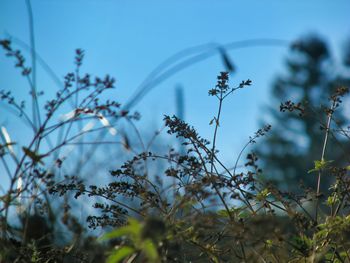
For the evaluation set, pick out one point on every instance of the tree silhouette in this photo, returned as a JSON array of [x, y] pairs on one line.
[[296, 139]]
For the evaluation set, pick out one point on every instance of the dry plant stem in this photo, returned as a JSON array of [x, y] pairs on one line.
[[330, 113], [39, 135], [21, 113], [215, 187], [117, 202], [13, 181], [213, 154], [79, 124], [217, 122], [153, 80], [137, 132], [35, 104], [41, 62], [242, 191], [35, 142]]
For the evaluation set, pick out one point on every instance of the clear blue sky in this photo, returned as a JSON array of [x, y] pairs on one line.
[[128, 39]]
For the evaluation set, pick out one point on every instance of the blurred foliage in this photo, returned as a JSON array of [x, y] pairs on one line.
[[311, 76]]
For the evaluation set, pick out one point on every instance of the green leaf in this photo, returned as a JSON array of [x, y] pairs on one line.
[[120, 254], [150, 250], [320, 165], [333, 199], [269, 243], [222, 213], [132, 228], [263, 194], [214, 258]]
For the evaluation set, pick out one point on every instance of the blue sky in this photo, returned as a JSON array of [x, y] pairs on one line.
[[128, 39]]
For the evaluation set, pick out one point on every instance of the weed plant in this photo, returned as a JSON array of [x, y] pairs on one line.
[[196, 209]]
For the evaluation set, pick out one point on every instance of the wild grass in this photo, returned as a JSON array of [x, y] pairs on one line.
[[192, 208]]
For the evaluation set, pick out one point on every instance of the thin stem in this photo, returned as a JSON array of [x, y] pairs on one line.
[[35, 104], [240, 155], [329, 119], [183, 60]]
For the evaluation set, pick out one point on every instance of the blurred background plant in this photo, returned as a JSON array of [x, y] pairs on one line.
[[312, 75]]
